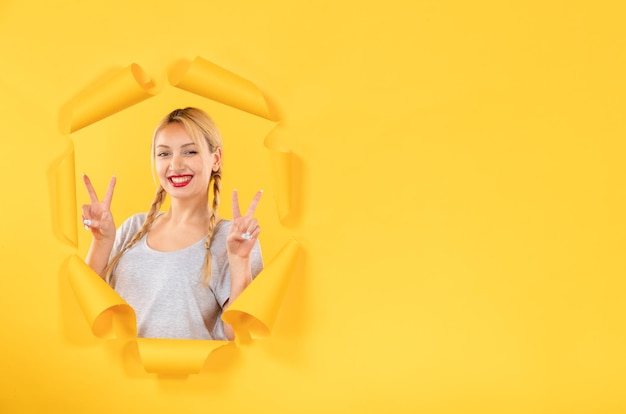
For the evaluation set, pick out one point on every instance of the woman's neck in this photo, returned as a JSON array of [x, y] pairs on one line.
[[189, 211]]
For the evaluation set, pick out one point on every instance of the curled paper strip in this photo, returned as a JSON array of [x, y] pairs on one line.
[[255, 310], [281, 163], [107, 313], [64, 198], [214, 82], [126, 88], [175, 356]]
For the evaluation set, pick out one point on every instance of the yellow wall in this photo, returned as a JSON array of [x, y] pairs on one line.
[[459, 201]]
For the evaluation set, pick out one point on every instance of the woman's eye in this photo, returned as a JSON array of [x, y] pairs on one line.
[[191, 152], [162, 154]]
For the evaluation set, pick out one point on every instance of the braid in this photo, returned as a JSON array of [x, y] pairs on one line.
[[213, 220], [150, 217], [217, 186]]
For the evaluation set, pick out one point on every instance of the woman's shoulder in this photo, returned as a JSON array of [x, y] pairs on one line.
[[223, 226], [133, 223], [127, 230], [221, 231]]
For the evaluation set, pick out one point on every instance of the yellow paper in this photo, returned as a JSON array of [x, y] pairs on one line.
[[175, 356], [282, 162], [214, 82], [104, 309], [63, 198], [115, 93], [462, 197], [255, 310]]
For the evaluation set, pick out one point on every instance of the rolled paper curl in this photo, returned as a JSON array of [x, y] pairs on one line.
[[254, 312], [214, 82], [108, 96]]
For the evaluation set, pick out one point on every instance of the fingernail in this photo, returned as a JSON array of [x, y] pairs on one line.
[[87, 222]]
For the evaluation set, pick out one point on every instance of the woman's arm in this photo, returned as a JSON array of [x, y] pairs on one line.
[[240, 278], [98, 219], [98, 255], [240, 241]]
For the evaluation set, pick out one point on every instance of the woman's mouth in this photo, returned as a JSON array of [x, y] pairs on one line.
[[179, 180]]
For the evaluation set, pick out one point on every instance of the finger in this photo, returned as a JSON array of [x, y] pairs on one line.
[[236, 211], [253, 224], [254, 203], [85, 216], [90, 190], [252, 231], [86, 212], [91, 224], [255, 233], [251, 235], [109, 194]]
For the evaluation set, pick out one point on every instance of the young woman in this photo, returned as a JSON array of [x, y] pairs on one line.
[[180, 269]]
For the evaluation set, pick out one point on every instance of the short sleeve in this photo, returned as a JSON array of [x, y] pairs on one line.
[[125, 233], [256, 259]]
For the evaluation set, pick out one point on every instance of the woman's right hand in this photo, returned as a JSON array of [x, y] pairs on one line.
[[97, 216]]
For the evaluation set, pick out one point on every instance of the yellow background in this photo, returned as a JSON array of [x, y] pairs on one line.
[[460, 202]]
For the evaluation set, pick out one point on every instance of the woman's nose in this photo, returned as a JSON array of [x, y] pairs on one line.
[[177, 163]]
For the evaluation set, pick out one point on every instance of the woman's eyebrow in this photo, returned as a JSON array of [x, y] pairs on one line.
[[167, 146]]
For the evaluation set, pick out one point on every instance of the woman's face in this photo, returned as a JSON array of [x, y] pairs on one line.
[[183, 167]]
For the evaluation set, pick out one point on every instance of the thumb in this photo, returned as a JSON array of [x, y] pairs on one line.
[[91, 224]]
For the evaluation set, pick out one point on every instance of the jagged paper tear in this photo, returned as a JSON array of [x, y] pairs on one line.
[[254, 312]]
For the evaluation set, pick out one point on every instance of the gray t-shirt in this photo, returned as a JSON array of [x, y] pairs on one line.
[[165, 288]]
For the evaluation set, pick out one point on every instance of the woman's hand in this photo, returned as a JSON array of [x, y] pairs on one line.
[[97, 216], [244, 230]]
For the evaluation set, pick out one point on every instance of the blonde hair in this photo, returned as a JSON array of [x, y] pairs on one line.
[[200, 127]]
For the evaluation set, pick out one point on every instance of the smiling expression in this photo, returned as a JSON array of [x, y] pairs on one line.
[[183, 166]]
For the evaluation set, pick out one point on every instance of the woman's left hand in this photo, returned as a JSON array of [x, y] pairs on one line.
[[244, 230]]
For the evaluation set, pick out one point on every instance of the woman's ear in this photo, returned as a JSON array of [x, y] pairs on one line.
[[217, 159]]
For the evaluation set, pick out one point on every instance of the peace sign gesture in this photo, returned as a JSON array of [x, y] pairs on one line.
[[97, 216], [245, 229]]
